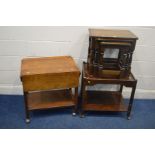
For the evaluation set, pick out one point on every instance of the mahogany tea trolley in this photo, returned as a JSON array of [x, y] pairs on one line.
[[48, 82], [105, 100], [101, 68]]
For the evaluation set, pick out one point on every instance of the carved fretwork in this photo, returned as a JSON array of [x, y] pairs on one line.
[[125, 58]]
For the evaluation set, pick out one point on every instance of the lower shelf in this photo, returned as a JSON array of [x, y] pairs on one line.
[[104, 101], [50, 99]]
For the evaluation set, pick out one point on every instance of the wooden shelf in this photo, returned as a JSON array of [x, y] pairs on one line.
[[104, 101], [50, 99]]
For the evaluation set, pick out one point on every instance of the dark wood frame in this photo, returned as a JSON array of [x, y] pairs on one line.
[[126, 46], [88, 80]]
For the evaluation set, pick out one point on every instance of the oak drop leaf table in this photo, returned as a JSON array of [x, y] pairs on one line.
[[48, 82]]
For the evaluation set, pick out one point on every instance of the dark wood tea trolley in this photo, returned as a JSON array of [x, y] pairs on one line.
[[48, 82], [106, 70], [105, 100]]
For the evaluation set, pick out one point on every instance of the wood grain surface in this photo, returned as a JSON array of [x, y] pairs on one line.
[[111, 33], [49, 73]]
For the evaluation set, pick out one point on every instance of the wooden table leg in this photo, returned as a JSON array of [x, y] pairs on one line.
[[26, 108], [75, 101], [131, 101], [121, 88], [83, 98]]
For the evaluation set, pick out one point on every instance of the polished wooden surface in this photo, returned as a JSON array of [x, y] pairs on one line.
[[49, 73], [50, 99], [111, 33], [48, 65], [105, 101]]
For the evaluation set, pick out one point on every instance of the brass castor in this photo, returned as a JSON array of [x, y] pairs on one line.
[[82, 115], [27, 120], [73, 114], [129, 117]]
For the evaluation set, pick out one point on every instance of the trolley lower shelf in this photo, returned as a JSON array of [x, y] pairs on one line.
[[50, 99], [105, 101]]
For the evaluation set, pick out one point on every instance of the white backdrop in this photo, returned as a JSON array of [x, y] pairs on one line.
[[19, 42]]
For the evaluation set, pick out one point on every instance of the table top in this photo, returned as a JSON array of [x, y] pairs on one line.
[[106, 33], [48, 65]]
